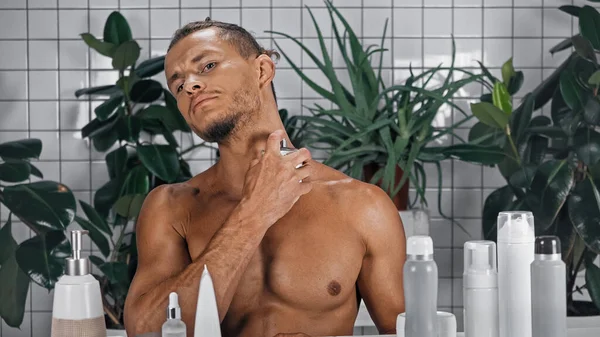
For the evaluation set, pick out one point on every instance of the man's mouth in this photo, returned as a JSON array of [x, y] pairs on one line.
[[201, 100]]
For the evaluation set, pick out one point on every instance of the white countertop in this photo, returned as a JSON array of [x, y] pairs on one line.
[[578, 332]]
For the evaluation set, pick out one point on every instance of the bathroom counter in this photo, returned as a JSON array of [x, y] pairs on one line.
[[578, 332]]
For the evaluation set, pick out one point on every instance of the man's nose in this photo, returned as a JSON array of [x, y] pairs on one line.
[[191, 87]]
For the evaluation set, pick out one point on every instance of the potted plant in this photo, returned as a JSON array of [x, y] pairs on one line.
[[382, 135], [552, 163]]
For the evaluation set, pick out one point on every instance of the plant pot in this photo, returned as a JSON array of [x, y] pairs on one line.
[[400, 199]]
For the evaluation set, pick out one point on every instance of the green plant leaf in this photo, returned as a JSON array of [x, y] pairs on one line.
[[573, 94], [21, 149], [483, 134], [14, 171], [584, 212], [106, 109], [545, 91], [95, 235], [508, 71], [589, 25], [537, 147], [117, 275], [595, 78], [591, 111], [549, 190], [104, 48], [490, 115], [136, 182], [42, 205], [562, 45], [162, 113], [116, 29], [523, 178], [521, 118], [97, 127], [129, 205], [501, 98], [570, 9], [587, 145], [563, 116], [126, 55], [128, 128], [499, 200], [592, 281], [487, 73], [160, 160], [43, 257], [176, 116], [95, 218], [584, 48], [146, 91], [106, 196], [14, 283], [116, 162], [150, 67], [105, 141], [103, 90], [515, 83]]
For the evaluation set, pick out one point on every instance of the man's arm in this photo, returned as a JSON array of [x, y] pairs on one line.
[[380, 279], [164, 264]]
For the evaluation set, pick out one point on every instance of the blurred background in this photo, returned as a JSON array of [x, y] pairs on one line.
[[53, 51]]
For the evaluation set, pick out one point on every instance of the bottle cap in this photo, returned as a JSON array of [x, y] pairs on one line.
[[516, 227], [480, 268], [419, 245], [174, 311], [480, 257], [547, 245]]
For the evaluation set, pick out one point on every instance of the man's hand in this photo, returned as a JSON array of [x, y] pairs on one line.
[[273, 183]]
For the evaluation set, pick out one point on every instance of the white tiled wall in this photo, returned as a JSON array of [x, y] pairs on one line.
[[42, 63]]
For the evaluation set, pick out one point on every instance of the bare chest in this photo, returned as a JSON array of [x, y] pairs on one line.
[[306, 261]]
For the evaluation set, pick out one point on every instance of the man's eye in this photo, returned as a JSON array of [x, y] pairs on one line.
[[209, 66], [180, 87]]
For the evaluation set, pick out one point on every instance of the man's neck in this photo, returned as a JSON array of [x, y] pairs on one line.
[[237, 154]]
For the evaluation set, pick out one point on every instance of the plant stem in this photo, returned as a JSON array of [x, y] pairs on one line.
[[576, 269], [577, 289], [119, 241]]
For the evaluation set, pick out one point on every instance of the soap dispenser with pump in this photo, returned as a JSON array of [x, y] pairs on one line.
[[77, 309]]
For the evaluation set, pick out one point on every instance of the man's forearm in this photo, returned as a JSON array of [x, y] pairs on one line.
[[227, 255]]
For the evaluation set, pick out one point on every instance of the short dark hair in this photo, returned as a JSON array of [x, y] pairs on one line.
[[245, 44]]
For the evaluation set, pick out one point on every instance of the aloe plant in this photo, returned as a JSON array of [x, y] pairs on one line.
[[46, 208], [552, 163], [388, 127]]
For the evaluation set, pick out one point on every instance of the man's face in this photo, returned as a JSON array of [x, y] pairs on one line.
[[215, 87]]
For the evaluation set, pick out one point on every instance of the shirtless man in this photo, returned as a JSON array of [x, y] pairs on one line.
[[291, 251]]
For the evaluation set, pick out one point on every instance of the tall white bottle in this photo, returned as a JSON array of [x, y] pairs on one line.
[[480, 289], [548, 289], [207, 322], [77, 309], [516, 246]]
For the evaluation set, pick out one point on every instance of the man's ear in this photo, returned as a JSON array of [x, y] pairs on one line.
[[266, 70]]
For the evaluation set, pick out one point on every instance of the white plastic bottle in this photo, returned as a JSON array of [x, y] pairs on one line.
[[77, 308], [174, 326], [516, 245], [420, 288], [480, 289], [548, 289]]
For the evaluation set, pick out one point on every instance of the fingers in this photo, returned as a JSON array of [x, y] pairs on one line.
[[274, 142], [299, 157]]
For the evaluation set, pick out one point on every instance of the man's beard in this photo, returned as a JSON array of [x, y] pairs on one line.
[[220, 131], [245, 103]]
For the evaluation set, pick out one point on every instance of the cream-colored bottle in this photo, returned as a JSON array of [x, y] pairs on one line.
[[77, 309]]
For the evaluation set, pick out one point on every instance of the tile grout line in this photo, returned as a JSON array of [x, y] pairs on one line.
[[89, 104], [28, 136]]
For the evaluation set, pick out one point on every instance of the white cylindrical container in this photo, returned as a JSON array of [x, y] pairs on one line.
[[480, 289], [77, 309], [516, 245], [548, 289]]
